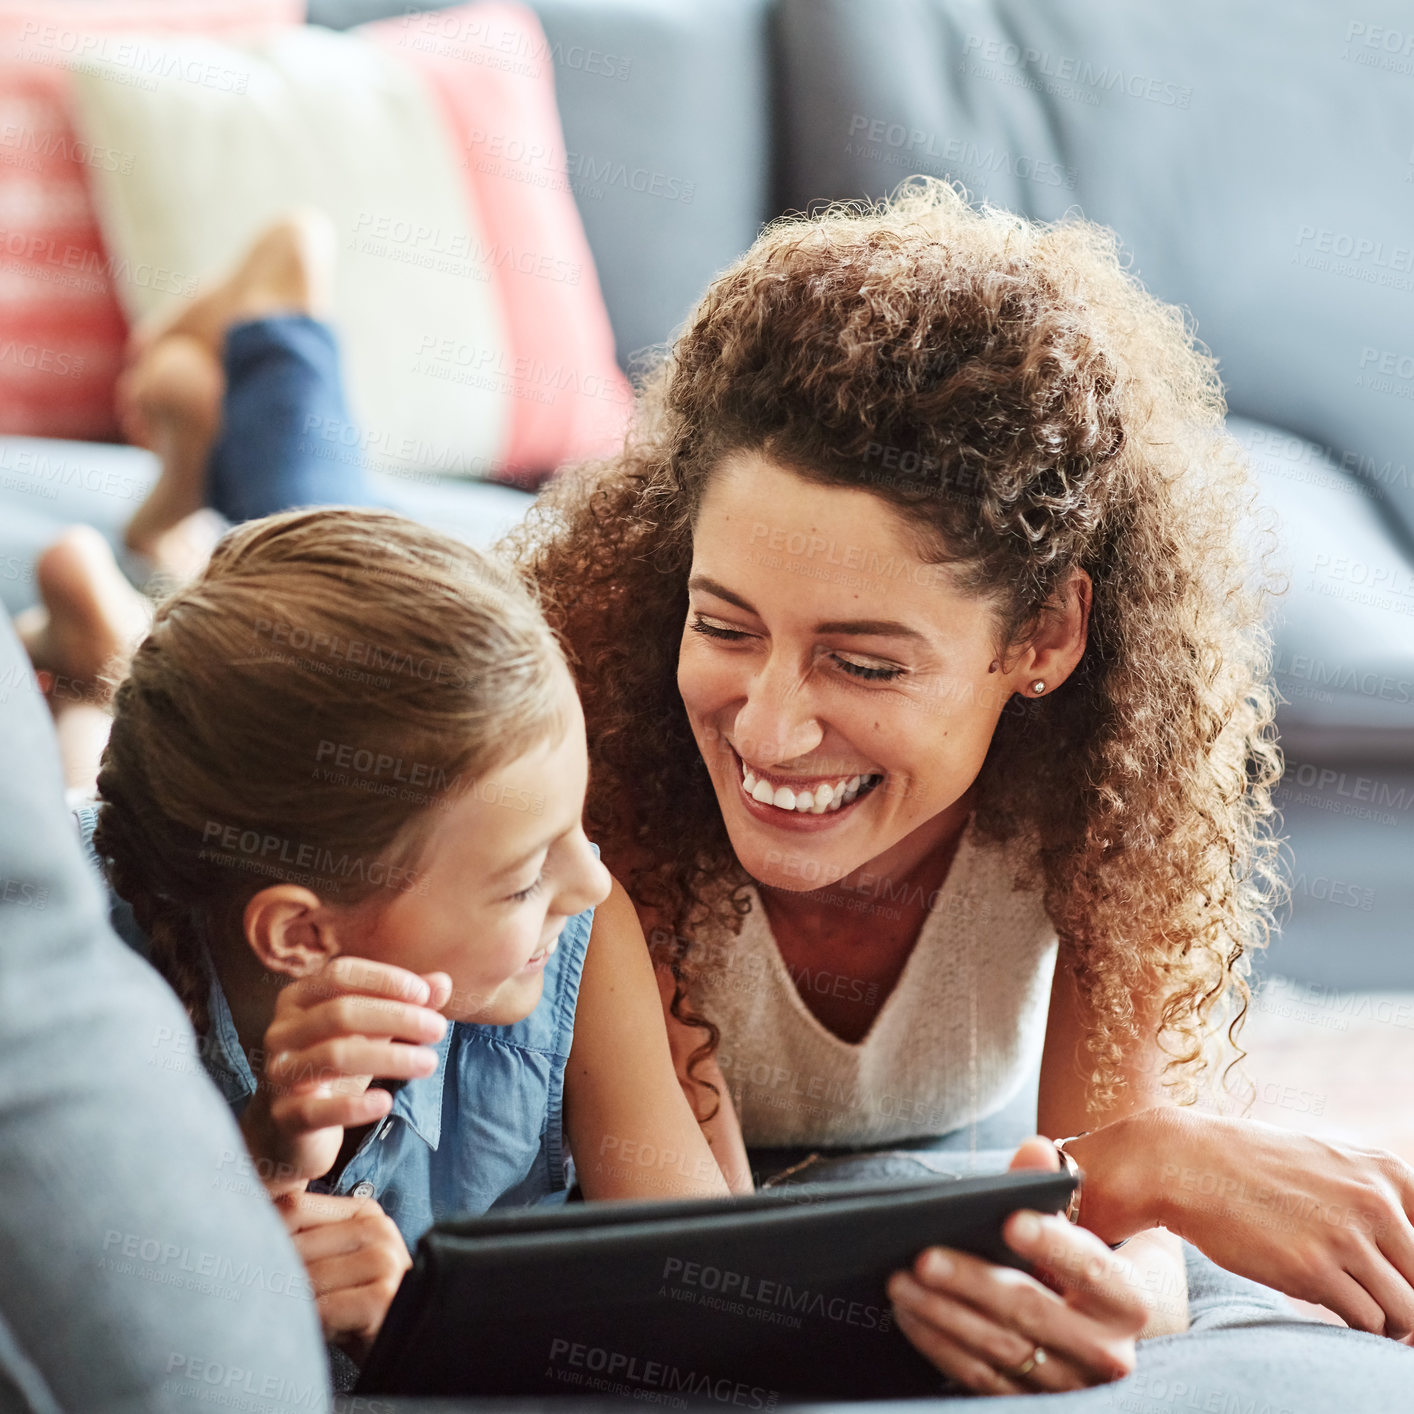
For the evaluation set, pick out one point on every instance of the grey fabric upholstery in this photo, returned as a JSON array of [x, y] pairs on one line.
[[1254, 159], [1344, 629], [672, 90], [46, 485], [141, 1265]]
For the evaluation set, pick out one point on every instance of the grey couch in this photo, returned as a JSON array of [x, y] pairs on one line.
[[141, 1264], [1254, 159]]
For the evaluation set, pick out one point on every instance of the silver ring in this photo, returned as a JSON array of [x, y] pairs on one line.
[[1037, 1357]]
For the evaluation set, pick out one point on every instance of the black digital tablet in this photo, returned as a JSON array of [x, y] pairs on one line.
[[746, 1301]]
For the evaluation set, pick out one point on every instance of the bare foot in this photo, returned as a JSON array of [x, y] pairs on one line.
[[180, 554], [171, 404], [288, 269], [92, 617], [170, 395]]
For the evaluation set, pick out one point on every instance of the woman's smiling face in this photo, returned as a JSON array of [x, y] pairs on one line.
[[841, 689]]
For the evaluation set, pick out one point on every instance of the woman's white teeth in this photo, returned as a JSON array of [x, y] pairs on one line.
[[823, 797]]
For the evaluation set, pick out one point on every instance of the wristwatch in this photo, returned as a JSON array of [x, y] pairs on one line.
[[1072, 1208]]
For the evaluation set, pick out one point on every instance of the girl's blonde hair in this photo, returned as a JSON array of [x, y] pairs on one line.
[[1030, 409], [298, 713]]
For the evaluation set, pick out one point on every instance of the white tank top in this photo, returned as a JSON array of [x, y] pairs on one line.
[[953, 1042]]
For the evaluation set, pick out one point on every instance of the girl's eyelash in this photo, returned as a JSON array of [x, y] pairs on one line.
[[856, 670], [528, 892]]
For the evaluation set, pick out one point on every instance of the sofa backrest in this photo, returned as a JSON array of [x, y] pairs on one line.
[[1257, 161]]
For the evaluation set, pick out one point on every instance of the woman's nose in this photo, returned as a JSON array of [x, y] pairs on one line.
[[777, 721]]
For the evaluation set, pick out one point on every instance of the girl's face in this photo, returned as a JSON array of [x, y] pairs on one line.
[[839, 688], [505, 866]]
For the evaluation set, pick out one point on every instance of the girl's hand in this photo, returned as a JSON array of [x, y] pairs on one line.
[[333, 1032], [1324, 1222], [1071, 1325], [355, 1257]]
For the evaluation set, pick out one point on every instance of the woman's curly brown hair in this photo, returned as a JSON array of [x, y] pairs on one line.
[[1044, 413]]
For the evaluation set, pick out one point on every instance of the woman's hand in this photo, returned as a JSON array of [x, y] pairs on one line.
[[355, 1257], [1324, 1222], [333, 1032], [1072, 1324]]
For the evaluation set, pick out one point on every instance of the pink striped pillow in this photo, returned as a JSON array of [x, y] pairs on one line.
[[569, 399], [62, 338]]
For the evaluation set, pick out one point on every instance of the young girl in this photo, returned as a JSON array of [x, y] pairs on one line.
[[342, 794]]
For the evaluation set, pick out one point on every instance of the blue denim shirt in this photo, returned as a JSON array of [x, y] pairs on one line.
[[485, 1131]]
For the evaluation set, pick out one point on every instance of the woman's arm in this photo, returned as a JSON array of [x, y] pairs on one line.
[[631, 1129], [1115, 1202], [1074, 1318], [1328, 1223]]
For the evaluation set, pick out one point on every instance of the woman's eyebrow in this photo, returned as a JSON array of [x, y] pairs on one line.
[[879, 628], [883, 628], [710, 586]]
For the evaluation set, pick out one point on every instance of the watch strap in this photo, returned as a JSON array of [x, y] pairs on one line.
[[1072, 1209]]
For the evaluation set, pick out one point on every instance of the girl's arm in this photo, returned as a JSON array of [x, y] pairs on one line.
[[631, 1129], [332, 1033], [723, 1130]]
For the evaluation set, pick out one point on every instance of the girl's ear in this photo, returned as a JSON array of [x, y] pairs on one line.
[[290, 930]]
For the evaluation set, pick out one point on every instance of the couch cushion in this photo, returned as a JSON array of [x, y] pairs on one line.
[[665, 108], [1257, 164], [335, 121], [137, 1251], [64, 331], [566, 399]]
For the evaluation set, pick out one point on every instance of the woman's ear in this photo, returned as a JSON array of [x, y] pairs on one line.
[[1059, 642], [290, 930]]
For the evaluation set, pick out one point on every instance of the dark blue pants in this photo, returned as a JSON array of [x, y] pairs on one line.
[[287, 439]]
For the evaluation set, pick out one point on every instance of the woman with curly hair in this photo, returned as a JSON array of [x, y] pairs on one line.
[[931, 732]]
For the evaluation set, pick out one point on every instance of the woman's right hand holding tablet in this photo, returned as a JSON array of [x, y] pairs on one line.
[[332, 1034], [1069, 1323]]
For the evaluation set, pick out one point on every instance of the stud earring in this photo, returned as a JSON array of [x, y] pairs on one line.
[[1038, 687]]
